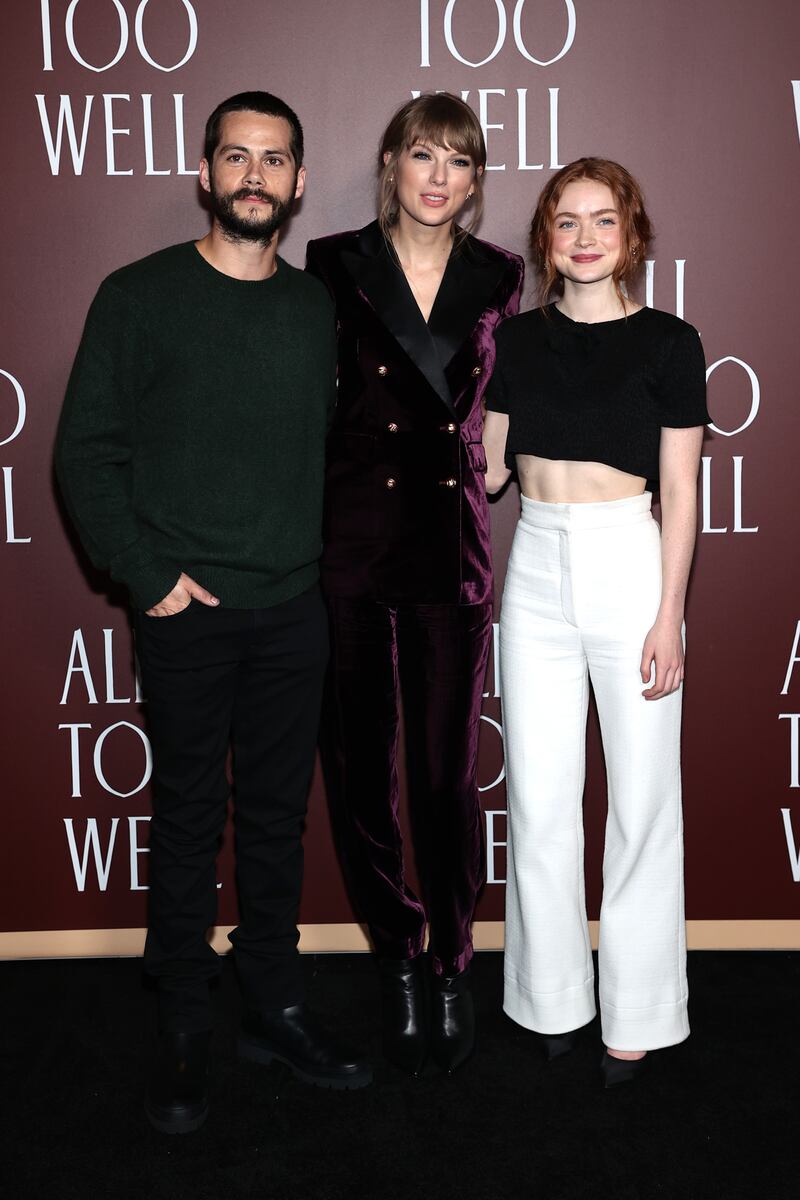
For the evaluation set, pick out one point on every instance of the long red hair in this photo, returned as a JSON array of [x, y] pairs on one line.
[[635, 227]]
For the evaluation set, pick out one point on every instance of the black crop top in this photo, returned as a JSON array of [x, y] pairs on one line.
[[599, 392]]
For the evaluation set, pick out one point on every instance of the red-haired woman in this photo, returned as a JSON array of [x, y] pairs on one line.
[[593, 401], [406, 565]]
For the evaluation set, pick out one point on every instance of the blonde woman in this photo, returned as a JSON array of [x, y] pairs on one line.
[[406, 566]]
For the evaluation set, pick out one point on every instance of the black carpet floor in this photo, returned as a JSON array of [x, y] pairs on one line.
[[717, 1117]]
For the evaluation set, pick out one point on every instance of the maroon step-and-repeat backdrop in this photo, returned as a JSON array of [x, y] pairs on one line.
[[104, 104]]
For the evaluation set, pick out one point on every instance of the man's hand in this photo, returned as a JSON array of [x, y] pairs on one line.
[[185, 590]]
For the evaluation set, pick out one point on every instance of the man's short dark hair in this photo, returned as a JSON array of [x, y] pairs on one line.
[[260, 102]]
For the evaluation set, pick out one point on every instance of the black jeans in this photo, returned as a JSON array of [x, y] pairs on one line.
[[250, 679]]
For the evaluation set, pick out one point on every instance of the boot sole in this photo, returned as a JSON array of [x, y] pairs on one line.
[[171, 1124], [260, 1054]]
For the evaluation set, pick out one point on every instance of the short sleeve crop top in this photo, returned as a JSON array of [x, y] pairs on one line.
[[597, 392]]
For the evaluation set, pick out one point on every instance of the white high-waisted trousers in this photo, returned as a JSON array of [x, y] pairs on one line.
[[582, 590]]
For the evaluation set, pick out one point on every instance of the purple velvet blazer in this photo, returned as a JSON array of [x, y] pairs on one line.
[[406, 517]]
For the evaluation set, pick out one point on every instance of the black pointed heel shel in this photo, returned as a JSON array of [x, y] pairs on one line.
[[556, 1045], [615, 1071]]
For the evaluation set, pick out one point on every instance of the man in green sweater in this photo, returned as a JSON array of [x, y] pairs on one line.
[[190, 452]]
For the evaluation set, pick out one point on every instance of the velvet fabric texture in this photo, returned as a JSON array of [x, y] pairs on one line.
[[406, 518], [407, 572], [435, 656]]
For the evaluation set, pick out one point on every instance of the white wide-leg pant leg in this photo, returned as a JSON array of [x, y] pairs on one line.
[[582, 591], [642, 947], [549, 973]]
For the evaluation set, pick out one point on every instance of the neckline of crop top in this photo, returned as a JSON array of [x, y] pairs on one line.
[[554, 311], [614, 323], [579, 341]]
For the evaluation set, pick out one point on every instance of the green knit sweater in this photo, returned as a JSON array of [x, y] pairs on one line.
[[193, 430]]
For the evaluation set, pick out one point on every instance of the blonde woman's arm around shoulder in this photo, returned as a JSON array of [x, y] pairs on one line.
[[679, 460]]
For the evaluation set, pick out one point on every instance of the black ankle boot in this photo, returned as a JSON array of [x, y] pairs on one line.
[[177, 1093], [453, 1021], [404, 1009], [295, 1037]]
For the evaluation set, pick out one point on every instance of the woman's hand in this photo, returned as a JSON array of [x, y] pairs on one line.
[[495, 432], [664, 647], [679, 459]]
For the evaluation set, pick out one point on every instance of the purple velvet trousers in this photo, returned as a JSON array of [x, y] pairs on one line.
[[432, 659]]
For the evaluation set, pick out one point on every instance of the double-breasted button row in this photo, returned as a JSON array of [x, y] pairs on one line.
[[382, 370], [393, 427], [448, 483]]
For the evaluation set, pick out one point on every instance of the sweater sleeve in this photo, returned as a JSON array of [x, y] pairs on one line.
[[682, 382], [96, 441]]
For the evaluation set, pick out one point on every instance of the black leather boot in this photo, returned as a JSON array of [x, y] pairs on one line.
[[177, 1093], [293, 1036], [404, 1009], [453, 1021]]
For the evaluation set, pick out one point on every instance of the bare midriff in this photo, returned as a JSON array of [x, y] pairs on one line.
[[558, 481]]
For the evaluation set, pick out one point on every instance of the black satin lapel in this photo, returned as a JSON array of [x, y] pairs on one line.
[[385, 287], [464, 294]]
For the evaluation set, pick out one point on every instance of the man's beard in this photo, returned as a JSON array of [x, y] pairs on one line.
[[249, 229]]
